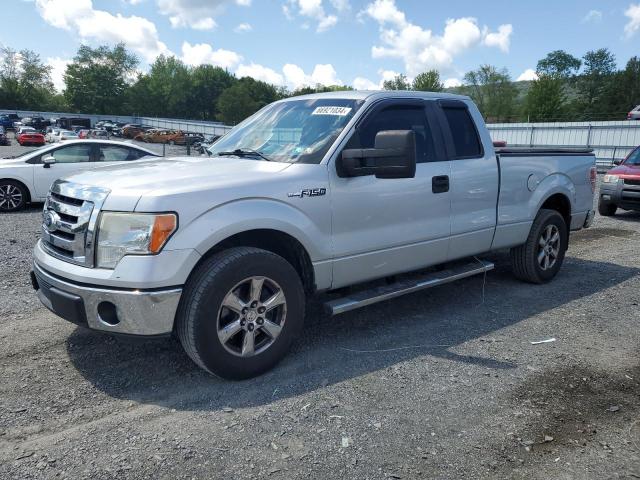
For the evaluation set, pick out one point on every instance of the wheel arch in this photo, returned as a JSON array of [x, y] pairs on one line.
[[561, 204], [274, 241]]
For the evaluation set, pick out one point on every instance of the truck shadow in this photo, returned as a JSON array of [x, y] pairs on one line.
[[428, 325]]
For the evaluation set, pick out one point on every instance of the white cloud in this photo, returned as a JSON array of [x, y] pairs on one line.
[[196, 14], [420, 49], [80, 17], [315, 10], [452, 83], [528, 75], [203, 53], [243, 28], [500, 39], [243, 3], [633, 25], [260, 72], [58, 67], [594, 16], [361, 83]]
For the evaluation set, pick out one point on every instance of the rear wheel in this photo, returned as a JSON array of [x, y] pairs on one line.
[[539, 259], [606, 209], [240, 312], [13, 196]]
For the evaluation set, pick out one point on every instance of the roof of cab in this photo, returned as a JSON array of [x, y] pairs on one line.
[[377, 94]]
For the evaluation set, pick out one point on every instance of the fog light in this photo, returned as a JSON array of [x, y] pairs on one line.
[[108, 314]]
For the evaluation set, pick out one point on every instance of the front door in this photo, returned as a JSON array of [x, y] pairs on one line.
[[70, 159], [386, 226]]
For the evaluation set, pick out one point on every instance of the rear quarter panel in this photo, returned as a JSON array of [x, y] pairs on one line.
[[528, 181]]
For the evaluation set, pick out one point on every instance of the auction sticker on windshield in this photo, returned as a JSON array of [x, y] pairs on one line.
[[340, 111]]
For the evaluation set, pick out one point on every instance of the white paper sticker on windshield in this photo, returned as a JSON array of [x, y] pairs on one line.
[[339, 111]]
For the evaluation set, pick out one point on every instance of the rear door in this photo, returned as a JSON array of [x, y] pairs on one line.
[[71, 158], [387, 226], [110, 154], [474, 179]]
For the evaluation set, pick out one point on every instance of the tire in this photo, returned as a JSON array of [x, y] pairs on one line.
[[13, 196], [216, 337], [606, 209], [537, 263]]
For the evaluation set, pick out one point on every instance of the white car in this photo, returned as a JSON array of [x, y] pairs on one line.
[[63, 135], [634, 114], [51, 133], [22, 130], [28, 177]]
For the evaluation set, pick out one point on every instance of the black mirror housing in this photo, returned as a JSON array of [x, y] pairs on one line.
[[617, 161], [394, 156]]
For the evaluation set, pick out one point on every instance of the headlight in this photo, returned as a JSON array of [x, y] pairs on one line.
[[611, 179], [121, 234]]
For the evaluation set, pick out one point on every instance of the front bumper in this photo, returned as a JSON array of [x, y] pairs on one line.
[[621, 194], [125, 311]]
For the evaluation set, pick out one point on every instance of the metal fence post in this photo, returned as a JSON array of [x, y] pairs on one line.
[[531, 137]]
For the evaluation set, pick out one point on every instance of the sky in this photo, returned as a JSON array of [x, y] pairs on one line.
[[305, 42]]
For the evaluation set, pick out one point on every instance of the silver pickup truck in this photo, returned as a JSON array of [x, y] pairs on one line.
[[386, 193]]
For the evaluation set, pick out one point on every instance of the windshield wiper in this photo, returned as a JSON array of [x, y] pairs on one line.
[[244, 152]]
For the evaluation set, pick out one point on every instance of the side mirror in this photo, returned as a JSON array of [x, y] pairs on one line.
[[48, 161], [617, 161], [393, 156]]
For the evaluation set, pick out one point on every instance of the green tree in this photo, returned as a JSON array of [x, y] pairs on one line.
[[36, 87], [169, 89], [10, 79], [599, 69], [493, 91], [207, 84], [622, 92], [559, 64], [428, 82], [546, 100], [244, 98], [97, 79], [399, 82]]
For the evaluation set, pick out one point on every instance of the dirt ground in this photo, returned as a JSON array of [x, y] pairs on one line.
[[443, 384]]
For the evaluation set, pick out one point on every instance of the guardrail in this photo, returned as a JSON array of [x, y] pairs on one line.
[[609, 140]]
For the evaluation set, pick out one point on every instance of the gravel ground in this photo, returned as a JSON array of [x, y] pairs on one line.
[[440, 384]]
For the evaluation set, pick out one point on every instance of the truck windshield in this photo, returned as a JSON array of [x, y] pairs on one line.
[[633, 158], [295, 131]]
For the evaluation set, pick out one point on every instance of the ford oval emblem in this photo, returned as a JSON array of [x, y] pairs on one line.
[[50, 220]]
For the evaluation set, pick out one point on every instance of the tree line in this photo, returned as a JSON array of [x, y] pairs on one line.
[[106, 80]]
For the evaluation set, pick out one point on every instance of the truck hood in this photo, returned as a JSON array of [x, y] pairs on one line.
[[174, 175], [626, 171]]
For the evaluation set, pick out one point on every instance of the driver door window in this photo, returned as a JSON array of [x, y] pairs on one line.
[[69, 159]]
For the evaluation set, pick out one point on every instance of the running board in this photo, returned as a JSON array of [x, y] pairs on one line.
[[387, 292]]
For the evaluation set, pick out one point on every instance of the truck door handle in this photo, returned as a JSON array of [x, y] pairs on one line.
[[440, 184]]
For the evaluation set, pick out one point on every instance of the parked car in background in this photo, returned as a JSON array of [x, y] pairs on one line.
[[69, 123], [98, 134], [51, 133], [159, 135], [620, 186], [8, 120], [30, 138], [83, 133], [39, 123], [4, 140], [24, 129], [131, 130], [192, 138], [63, 135], [27, 177], [634, 114]]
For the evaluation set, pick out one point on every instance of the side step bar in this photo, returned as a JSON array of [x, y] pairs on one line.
[[387, 292]]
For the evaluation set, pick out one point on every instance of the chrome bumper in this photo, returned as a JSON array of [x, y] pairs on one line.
[[132, 312]]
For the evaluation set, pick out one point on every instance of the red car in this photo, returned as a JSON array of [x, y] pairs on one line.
[[620, 187], [30, 138], [83, 133]]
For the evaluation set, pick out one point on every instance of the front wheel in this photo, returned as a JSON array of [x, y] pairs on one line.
[[539, 259], [606, 209], [13, 196], [240, 312]]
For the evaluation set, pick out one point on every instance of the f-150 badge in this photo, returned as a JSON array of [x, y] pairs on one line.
[[308, 192]]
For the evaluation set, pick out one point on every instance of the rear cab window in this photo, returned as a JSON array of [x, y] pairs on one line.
[[464, 139]]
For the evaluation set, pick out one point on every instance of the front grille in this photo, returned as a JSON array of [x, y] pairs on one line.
[[70, 214], [629, 181]]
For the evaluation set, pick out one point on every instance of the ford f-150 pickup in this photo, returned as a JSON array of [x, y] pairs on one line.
[[386, 193]]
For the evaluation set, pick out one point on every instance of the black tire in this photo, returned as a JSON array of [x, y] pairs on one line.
[[13, 196], [606, 209], [525, 258], [201, 311]]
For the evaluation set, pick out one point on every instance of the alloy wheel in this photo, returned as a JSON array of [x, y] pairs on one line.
[[252, 316], [11, 197], [548, 247]]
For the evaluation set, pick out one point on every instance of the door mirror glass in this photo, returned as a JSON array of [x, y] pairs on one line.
[[47, 161], [393, 156]]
